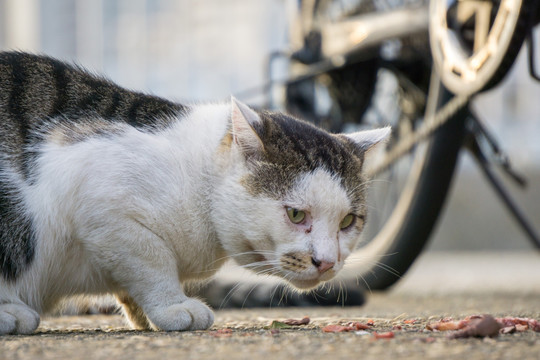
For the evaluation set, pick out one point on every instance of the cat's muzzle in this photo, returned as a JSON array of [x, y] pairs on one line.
[[304, 271]]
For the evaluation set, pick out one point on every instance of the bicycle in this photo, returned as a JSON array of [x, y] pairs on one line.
[[343, 47]]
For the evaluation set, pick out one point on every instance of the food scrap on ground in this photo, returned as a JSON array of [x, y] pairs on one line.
[[352, 326], [295, 322], [471, 326], [384, 335], [512, 324], [222, 333], [337, 328], [359, 325], [446, 324], [289, 323], [484, 325]]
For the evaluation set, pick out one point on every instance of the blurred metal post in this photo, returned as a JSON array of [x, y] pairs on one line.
[[22, 24], [89, 33], [131, 41]]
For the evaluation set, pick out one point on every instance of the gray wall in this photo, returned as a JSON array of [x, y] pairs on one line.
[[208, 49], [190, 49]]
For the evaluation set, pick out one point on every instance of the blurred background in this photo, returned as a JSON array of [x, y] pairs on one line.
[[206, 50]]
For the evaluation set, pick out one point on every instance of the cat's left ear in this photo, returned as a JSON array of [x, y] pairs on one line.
[[367, 139], [244, 124]]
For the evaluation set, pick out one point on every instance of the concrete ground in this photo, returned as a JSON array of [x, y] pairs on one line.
[[439, 285]]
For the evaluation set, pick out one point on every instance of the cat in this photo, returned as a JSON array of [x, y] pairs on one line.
[[106, 190]]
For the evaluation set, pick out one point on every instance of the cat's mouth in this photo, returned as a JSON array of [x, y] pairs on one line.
[[300, 269], [304, 272]]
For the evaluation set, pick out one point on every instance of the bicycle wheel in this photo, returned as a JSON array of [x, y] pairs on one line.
[[397, 232], [475, 43], [405, 200]]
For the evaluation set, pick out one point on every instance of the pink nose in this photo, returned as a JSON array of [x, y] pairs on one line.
[[322, 266]]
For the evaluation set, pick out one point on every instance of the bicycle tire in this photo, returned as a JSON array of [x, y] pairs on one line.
[[391, 252], [399, 243]]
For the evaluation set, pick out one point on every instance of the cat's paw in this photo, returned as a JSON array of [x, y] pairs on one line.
[[192, 314], [17, 319]]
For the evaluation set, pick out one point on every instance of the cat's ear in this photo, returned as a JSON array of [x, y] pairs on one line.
[[244, 122], [367, 139]]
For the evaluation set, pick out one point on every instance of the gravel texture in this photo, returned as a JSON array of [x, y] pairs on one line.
[[246, 333]]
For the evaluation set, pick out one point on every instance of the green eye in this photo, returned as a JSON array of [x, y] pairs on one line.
[[296, 216], [347, 221]]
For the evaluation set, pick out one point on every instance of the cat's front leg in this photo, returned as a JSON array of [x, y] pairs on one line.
[[17, 319], [133, 312], [191, 314], [176, 312], [200, 318], [155, 288]]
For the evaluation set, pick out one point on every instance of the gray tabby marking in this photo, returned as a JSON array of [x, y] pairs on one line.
[[293, 147], [34, 89]]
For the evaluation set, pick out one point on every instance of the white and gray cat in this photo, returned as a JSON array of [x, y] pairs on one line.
[[105, 190]]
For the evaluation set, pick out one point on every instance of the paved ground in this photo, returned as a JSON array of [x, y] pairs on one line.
[[439, 285]]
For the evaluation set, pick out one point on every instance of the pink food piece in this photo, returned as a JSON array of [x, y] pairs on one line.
[[384, 335], [445, 325], [338, 328], [508, 330], [294, 322], [358, 325], [532, 324], [222, 333]]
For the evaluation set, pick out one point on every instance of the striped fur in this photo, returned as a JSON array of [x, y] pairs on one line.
[[35, 89], [106, 190]]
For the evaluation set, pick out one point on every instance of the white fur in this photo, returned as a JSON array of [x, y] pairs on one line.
[[137, 214], [368, 138], [262, 224]]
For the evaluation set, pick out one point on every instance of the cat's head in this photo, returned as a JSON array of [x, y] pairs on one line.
[[292, 198]]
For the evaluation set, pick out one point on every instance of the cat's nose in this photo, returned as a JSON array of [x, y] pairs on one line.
[[322, 266]]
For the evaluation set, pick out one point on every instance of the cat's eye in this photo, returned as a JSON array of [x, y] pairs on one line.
[[347, 221], [296, 216]]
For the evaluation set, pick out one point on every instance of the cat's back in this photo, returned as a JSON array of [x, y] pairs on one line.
[[36, 90], [37, 87], [39, 92]]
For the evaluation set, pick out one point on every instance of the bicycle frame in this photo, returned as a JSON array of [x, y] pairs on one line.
[[358, 33], [324, 46]]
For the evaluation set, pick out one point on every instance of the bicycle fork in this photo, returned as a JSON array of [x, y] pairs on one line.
[[488, 154]]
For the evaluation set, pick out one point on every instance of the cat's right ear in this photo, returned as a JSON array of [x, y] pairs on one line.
[[244, 122]]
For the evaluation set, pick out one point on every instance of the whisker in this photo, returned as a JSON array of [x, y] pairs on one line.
[[283, 292], [268, 272], [261, 263], [253, 252], [379, 264], [273, 293], [316, 295], [229, 294], [341, 294], [384, 267], [388, 268], [247, 296], [365, 283]]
